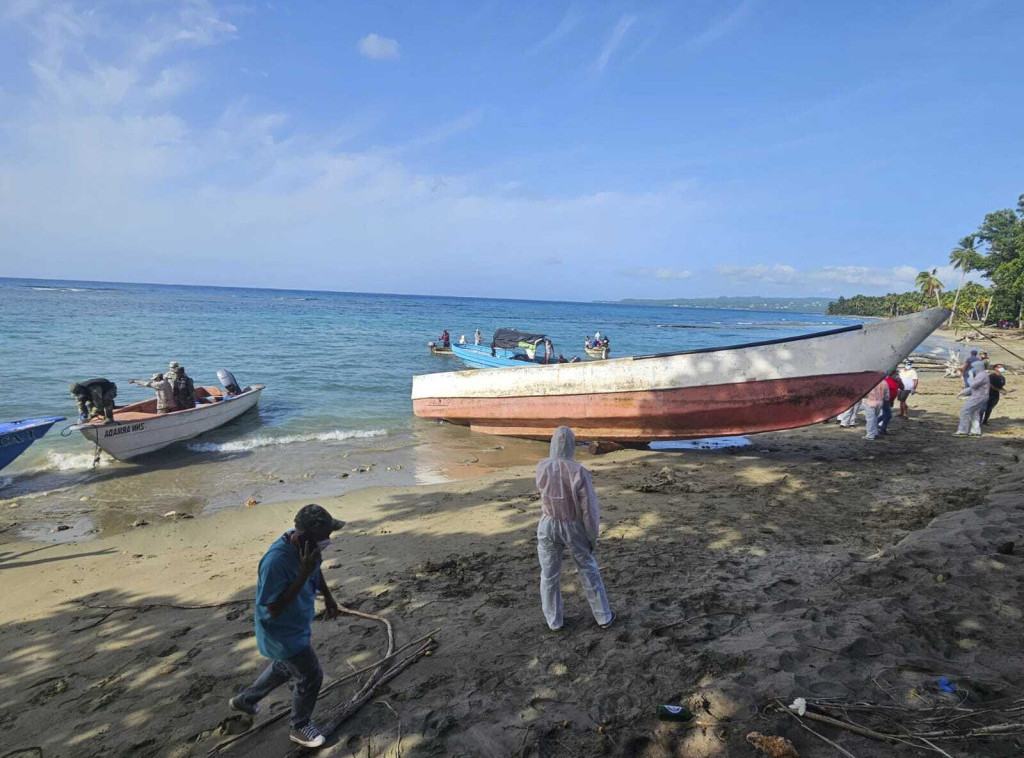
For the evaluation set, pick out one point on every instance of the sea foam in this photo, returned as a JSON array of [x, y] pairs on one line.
[[337, 435]]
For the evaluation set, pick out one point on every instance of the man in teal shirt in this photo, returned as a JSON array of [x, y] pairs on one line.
[[289, 578]]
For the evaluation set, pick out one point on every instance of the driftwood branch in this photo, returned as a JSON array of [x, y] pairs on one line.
[[820, 736]]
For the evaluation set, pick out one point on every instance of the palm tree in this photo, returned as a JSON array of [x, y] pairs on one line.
[[967, 259], [929, 285]]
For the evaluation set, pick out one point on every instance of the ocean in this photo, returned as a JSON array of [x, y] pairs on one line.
[[337, 367]]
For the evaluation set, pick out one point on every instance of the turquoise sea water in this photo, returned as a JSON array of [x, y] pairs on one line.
[[337, 367]]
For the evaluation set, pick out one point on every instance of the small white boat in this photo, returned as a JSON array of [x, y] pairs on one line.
[[138, 429]]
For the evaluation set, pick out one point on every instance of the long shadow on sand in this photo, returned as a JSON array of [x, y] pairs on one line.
[[736, 577]]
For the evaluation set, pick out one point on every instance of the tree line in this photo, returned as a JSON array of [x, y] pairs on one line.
[[995, 250]]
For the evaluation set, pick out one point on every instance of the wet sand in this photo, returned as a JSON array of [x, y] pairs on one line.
[[812, 563]]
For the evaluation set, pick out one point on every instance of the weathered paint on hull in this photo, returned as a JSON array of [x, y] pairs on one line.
[[671, 414]]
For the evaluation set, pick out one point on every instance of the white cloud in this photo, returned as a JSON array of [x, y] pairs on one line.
[[569, 21], [617, 35], [103, 174], [378, 48], [659, 273], [721, 28], [898, 277]]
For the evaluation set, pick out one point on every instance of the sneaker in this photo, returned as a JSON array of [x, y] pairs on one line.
[[242, 707], [609, 623], [959, 434], [307, 736], [868, 437]]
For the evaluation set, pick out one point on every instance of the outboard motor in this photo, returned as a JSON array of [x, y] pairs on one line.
[[227, 380]]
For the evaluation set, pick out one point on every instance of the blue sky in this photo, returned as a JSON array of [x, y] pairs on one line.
[[569, 150]]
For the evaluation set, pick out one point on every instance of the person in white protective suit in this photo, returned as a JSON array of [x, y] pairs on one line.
[[977, 399], [570, 519], [873, 402], [848, 418]]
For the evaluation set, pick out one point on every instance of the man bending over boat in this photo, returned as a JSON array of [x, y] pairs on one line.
[[94, 398], [289, 578], [162, 388]]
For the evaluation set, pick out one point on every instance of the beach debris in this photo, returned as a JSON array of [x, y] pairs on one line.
[[774, 747], [251, 502], [945, 685], [61, 528], [176, 515], [674, 713], [83, 499], [799, 705], [1005, 549], [140, 522], [15, 505], [343, 475]]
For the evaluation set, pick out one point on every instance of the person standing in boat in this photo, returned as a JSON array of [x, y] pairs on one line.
[[478, 338], [571, 519], [94, 398], [289, 578], [162, 388], [182, 387]]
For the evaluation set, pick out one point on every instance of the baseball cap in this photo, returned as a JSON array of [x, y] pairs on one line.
[[315, 516]]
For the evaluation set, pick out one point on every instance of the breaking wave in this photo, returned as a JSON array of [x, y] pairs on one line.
[[338, 435], [74, 461]]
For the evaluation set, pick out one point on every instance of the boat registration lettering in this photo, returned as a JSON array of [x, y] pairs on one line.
[[125, 429], [17, 438]]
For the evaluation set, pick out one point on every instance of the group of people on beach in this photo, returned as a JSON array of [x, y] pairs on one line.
[[289, 577], [982, 388]]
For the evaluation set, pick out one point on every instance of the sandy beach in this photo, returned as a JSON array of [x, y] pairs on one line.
[[810, 564]]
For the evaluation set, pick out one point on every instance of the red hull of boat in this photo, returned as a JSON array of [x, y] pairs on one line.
[[643, 416]]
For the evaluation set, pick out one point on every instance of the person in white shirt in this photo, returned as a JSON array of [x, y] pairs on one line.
[[571, 519], [908, 375]]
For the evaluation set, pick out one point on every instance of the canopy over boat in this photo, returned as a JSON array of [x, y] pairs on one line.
[[16, 436], [743, 389], [510, 339], [138, 429]]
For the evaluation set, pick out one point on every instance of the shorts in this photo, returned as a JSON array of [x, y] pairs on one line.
[[903, 395]]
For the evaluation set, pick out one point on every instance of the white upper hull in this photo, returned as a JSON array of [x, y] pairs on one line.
[[875, 347]]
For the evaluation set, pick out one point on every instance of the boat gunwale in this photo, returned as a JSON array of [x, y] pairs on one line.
[[761, 343]]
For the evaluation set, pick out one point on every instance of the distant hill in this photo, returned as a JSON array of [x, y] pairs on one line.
[[793, 304]]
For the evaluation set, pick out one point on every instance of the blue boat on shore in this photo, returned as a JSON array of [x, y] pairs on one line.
[[509, 347], [16, 436]]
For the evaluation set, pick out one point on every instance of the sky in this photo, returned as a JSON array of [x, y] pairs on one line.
[[561, 150]]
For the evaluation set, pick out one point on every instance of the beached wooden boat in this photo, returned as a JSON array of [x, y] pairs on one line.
[[16, 436], [138, 429], [743, 389], [597, 352]]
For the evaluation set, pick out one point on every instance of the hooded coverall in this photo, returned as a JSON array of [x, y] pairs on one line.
[[849, 417], [570, 520], [970, 413]]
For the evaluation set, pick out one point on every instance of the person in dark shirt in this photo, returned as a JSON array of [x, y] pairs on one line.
[[997, 386], [94, 398]]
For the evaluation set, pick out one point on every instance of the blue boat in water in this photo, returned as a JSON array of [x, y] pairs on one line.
[[16, 436], [509, 347]]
